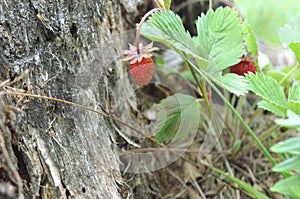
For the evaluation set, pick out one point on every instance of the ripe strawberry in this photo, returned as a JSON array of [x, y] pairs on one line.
[[141, 63], [142, 72], [243, 67]]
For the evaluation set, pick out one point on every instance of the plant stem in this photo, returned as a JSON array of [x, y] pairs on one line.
[[248, 129], [239, 109], [201, 85], [202, 88], [289, 74], [257, 112], [210, 4], [138, 30], [270, 131]]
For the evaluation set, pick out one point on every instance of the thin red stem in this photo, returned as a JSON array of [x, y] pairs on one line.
[[138, 30]]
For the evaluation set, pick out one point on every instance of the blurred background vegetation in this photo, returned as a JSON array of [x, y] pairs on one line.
[[267, 16]]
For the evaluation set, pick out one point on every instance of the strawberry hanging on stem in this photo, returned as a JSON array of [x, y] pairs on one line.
[[245, 66], [139, 56]]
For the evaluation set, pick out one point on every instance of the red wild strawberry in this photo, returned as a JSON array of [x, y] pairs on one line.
[[243, 67], [141, 63], [142, 72]]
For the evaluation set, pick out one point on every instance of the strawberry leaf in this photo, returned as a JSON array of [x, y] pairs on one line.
[[235, 83], [288, 165], [291, 145], [283, 186], [294, 98], [286, 75], [268, 88], [293, 120], [178, 118], [250, 40], [166, 27], [220, 36], [290, 34], [271, 107], [295, 47]]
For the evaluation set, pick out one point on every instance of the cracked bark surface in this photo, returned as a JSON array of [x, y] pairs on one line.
[[69, 52]]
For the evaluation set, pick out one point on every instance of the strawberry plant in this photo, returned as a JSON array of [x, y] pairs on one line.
[[289, 186], [223, 54]]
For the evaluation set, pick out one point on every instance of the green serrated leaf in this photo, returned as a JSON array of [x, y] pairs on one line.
[[290, 33], [235, 83], [294, 98], [291, 145], [293, 120], [294, 93], [288, 165], [179, 117], [296, 49], [294, 106], [283, 186], [269, 15], [220, 36], [166, 27], [296, 191], [286, 75], [268, 88], [271, 107], [250, 39]]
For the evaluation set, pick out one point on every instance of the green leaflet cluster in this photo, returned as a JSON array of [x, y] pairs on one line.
[[274, 99], [179, 117], [290, 34], [218, 45], [289, 186]]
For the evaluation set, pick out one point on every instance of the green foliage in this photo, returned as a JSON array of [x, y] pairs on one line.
[[163, 3], [293, 120], [294, 98], [266, 17], [219, 40], [166, 27], [273, 95], [291, 145], [295, 47], [290, 34], [286, 75], [235, 83], [270, 91], [288, 165], [250, 40], [220, 36], [179, 118], [289, 186], [271, 107], [219, 45], [236, 148], [249, 189]]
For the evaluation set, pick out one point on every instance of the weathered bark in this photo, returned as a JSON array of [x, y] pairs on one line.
[[50, 149]]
